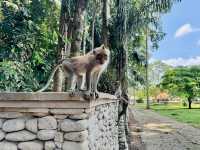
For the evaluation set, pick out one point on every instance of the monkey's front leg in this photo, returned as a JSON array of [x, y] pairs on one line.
[[87, 93], [95, 82], [73, 84], [81, 82]]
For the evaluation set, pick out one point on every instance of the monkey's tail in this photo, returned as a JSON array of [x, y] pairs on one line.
[[50, 78]]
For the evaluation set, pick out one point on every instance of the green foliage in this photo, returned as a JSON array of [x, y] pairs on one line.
[[140, 94], [183, 82], [108, 83], [153, 92], [28, 39], [29, 36], [139, 100], [17, 31], [184, 103], [16, 76], [156, 71]]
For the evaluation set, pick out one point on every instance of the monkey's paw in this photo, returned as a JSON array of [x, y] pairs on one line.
[[96, 95], [87, 95], [72, 93]]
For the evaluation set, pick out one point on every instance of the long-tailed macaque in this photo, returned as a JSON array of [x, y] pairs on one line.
[[80, 68], [124, 101]]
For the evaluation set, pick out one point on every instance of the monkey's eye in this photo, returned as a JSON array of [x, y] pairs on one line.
[[94, 52]]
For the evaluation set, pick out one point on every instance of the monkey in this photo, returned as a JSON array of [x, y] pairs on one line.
[[124, 100], [103, 58], [80, 69]]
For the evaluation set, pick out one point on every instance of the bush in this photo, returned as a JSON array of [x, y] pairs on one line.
[[107, 83], [140, 100], [16, 76]]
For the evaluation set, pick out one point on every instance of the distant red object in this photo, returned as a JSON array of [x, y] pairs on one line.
[[162, 97]]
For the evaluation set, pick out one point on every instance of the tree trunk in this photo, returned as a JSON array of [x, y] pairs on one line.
[[147, 75], [84, 37], [122, 60], [64, 33], [78, 24], [93, 24], [190, 103], [105, 22]]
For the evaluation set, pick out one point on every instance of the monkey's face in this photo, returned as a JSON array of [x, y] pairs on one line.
[[101, 54], [101, 58]]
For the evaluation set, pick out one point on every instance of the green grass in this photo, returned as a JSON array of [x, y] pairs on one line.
[[177, 112]]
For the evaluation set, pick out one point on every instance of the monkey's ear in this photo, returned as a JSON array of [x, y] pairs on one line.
[[103, 46]]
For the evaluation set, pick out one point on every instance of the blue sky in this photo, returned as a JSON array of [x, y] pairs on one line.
[[181, 45]]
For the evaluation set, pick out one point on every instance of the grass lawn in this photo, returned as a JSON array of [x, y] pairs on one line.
[[178, 112]]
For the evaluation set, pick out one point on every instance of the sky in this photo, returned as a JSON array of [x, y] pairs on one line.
[[181, 45]]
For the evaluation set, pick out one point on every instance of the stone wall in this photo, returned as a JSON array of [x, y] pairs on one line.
[[55, 121], [103, 130]]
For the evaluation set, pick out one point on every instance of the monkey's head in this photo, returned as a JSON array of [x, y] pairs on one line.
[[102, 54]]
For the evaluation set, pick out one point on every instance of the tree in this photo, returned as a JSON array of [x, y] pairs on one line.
[[78, 23], [146, 15], [27, 43], [30, 34], [147, 71], [64, 44], [105, 22], [156, 70], [43, 41], [68, 42], [183, 82]]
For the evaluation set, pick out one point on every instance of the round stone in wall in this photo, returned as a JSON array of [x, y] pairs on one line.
[[46, 134], [13, 125], [31, 125], [76, 136], [1, 123], [68, 145], [2, 135], [79, 117], [48, 122], [8, 146], [70, 125], [32, 145], [20, 136], [49, 145], [58, 137]]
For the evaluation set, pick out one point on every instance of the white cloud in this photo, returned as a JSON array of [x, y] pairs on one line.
[[152, 60], [185, 29], [182, 61]]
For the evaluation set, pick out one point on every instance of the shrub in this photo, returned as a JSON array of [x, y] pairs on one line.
[[140, 100]]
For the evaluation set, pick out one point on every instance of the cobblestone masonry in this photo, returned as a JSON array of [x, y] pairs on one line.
[[58, 129], [103, 131]]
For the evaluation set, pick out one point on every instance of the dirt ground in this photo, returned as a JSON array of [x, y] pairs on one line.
[[151, 131]]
